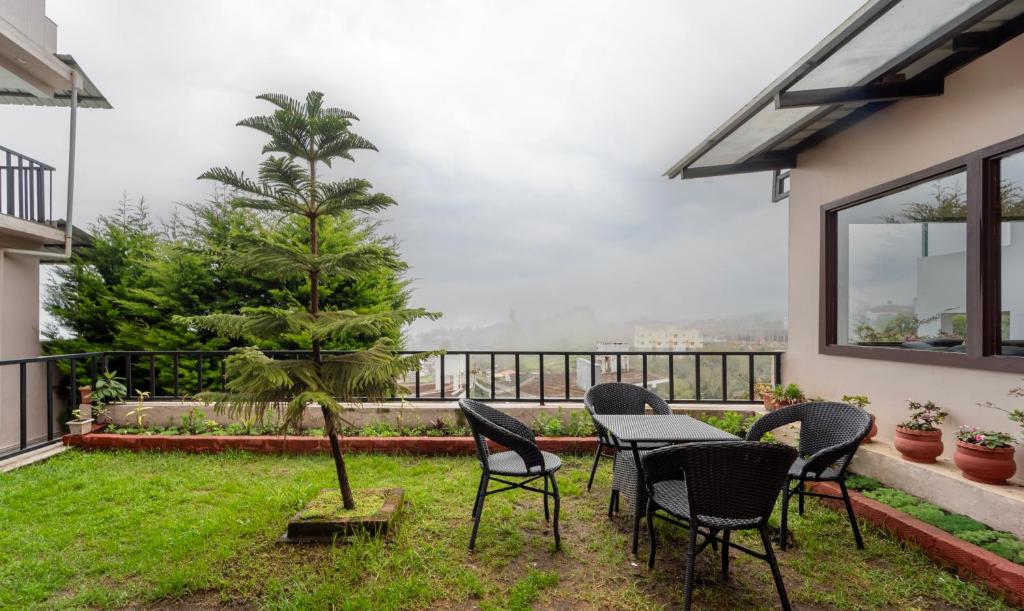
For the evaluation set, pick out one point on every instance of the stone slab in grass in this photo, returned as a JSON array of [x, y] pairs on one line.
[[324, 520]]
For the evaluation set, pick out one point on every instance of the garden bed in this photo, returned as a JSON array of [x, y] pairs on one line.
[[282, 444], [968, 560]]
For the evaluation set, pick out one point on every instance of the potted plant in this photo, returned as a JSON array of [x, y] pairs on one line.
[[82, 422], [985, 456], [779, 395], [919, 439], [862, 402]]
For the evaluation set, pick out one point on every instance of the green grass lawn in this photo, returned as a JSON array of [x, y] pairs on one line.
[[109, 530]]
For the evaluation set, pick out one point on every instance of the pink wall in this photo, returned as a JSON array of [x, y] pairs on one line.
[[983, 104]]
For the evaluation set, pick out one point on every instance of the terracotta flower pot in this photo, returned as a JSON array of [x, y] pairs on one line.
[[918, 446], [85, 395], [985, 465], [771, 404], [871, 433]]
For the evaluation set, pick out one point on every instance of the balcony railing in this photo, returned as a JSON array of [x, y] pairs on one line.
[[47, 382], [26, 187]]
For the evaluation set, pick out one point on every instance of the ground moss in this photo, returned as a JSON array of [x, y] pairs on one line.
[[998, 542], [327, 505]]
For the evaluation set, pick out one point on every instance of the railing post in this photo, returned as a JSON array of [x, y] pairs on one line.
[[468, 388], [128, 373], [567, 376], [199, 370], [671, 377], [593, 369], [23, 403], [492, 376], [417, 381], [442, 357], [643, 361], [725, 378], [696, 378], [74, 384], [174, 367], [541, 357], [93, 372], [517, 376], [750, 375], [152, 376], [49, 400], [778, 368], [618, 367]]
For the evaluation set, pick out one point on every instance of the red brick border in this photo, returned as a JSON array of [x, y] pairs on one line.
[[306, 445], [995, 571]]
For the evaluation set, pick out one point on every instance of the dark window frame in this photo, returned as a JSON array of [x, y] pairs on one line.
[[984, 305]]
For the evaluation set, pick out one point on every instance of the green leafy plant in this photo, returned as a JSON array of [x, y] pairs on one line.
[[109, 388], [987, 439], [140, 408], [924, 416], [379, 429], [548, 426], [860, 401], [790, 393], [303, 137], [1015, 415]]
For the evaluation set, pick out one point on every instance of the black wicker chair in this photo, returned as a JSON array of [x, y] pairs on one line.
[[522, 460], [714, 488], [830, 434], [619, 399]]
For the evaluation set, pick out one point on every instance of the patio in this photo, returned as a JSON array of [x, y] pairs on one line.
[[107, 530]]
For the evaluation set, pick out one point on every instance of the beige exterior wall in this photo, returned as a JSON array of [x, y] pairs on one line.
[[983, 104], [19, 337]]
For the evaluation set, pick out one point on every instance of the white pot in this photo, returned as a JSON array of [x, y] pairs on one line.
[[80, 427]]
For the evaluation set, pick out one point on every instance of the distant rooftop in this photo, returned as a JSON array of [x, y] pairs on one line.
[[886, 51]]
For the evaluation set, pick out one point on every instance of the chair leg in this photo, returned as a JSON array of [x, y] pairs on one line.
[[800, 491], [479, 510], [547, 513], [691, 557], [479, 491], [776, 573], [849, 512], [783, 518], [636, 529], [612, 498], [725, 554], [554, 490], [650, 533], [597, 459]]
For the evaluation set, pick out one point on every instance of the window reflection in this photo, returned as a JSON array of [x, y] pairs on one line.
[[1011, 203], [902, 268]]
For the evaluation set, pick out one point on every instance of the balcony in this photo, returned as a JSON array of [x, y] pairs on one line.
[[26, 187]]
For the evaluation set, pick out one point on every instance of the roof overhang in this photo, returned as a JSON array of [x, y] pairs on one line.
[[89, 96], [887, 51]]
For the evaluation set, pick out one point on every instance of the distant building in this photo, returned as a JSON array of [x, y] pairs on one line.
[[667, 339]]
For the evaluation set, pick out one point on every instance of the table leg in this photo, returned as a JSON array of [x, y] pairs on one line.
[[641, 502]]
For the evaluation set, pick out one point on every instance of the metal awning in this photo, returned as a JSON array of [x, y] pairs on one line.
[[887, 51], [89, 96]]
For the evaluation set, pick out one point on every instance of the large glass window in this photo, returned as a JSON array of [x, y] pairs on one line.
[[1011, 210], [901, 273]]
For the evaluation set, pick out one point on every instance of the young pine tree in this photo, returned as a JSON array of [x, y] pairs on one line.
[[304, 136]]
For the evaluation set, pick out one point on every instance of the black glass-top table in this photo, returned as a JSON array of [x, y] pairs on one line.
[[629, 432]]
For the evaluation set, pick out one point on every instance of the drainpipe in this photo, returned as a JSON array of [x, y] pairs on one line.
[[76, 82]]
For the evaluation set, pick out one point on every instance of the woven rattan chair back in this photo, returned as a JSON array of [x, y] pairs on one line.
[[725, 481]]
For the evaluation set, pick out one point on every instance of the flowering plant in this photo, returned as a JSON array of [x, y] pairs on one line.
[[924, 416], [988, 439]]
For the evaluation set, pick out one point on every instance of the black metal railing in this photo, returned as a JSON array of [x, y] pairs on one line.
[[48, 385], [26, 187]]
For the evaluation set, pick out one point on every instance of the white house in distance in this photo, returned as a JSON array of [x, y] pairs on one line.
[[899, 140], [666, 339], [35, 223]]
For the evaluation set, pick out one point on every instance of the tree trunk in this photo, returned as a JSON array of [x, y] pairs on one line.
[[314, 309]]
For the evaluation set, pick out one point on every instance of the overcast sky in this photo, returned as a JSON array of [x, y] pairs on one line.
[[524, 141]]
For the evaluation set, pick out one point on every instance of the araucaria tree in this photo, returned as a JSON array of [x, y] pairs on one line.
[[304, 137]]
